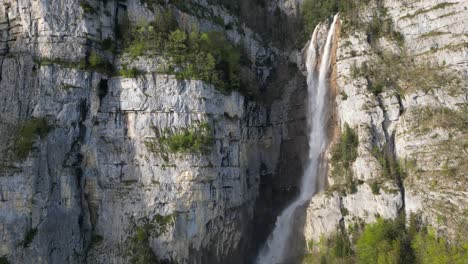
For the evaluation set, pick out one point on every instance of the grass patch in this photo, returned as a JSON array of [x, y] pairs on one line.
[[423, 11], [433, 34], [425, 119], [66, 64], [94, 63], [400, 74], [26, 135]]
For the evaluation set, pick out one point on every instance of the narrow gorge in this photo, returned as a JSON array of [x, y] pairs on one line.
[[220, 131]]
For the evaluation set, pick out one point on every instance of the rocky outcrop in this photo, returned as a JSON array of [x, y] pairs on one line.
[[415, 128]]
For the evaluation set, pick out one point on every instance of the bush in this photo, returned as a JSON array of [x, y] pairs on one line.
[[29, 237], [87, 8], [129, 73], [375, 187], [194, 139], [26, 136], [4, 260], [99, 64], [197, 138]]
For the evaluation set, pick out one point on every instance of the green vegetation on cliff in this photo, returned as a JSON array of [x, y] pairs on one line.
[[206, 56], [4, 260], [139, 249], [402, 75], [343, 154], [26, 135], [388, 242], [195, 139]]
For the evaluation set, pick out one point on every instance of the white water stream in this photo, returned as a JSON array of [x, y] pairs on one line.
[[276, 248]]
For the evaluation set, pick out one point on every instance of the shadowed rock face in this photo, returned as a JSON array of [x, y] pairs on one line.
[[93, 190]]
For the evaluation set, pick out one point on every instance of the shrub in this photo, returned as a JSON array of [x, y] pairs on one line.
[[334, 249], [95, 60], [4, 260], [140, 249], [343, 154], [194, 139], [375, 187], [99, 64], [29, 237], [87, 8], [129, 73], [26, 136]]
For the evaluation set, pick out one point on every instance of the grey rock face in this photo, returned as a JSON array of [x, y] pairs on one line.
[[91, 188]]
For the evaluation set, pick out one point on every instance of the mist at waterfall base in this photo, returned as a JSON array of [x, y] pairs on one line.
[[275, 249]]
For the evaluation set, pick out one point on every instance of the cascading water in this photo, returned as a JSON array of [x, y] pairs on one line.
[[274, 251]]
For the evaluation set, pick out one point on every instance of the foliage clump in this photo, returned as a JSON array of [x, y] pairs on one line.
[[129, 72], [139, 248], [87, 8], [197, 138], [343, 154], [99, 64], [4, 260], [206, 56], [26, 135], [28, 238]]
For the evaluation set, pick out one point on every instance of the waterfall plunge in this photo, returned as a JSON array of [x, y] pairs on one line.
[[275, 249]]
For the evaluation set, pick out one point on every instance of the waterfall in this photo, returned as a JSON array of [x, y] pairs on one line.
[[275, 249]]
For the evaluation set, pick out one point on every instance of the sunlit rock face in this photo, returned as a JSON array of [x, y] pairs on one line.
[[425, 129]]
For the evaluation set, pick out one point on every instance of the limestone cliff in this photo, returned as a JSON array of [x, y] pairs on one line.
[[405, 97], [83, 178], [100, 153]]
